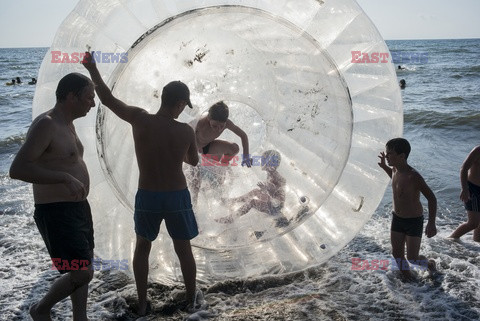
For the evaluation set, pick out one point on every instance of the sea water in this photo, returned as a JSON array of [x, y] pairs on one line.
[[442, 123]]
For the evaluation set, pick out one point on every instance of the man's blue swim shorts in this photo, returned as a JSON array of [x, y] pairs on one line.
[[175, 207]]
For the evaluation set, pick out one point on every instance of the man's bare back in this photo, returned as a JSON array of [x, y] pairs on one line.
[[160, 145], [474, 166], [469, 194]]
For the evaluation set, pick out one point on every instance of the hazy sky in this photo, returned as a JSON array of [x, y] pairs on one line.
[[33, 23]]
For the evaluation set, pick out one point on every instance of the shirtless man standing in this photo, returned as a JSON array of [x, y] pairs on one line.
[[407, 220], [162, 144], [470, 195], [52, 159]]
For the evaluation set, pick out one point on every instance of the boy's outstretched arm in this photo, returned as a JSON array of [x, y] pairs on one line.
[[122, 110], [383, 165], [430, 229], [243, 136]]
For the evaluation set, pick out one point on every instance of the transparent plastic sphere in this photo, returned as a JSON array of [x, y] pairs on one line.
[[285, 70]]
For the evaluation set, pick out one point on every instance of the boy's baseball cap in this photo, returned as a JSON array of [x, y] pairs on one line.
[[177, 90]]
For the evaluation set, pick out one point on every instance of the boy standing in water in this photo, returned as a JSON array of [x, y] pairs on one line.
[[162, 144], [207, 130], [470, 195], [52, 159], [407, 221]]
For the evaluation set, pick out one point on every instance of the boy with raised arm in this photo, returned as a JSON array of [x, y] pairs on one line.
[[407, 220], [162, 144], [470, 195]]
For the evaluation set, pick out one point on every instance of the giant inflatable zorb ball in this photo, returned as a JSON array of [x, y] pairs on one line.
[[287, 71]]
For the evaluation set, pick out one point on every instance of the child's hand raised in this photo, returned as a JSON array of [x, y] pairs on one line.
[[382, 157]]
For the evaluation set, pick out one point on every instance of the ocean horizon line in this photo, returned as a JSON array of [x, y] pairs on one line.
[[427, 39]]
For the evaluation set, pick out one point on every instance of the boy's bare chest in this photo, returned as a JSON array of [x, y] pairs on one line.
[[403, 187], [206, 133]]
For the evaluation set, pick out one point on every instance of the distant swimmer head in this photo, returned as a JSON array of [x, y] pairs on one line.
[[19, 80], [403, 83]]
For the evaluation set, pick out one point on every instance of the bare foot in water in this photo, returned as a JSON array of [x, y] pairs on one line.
[[37, 316], [432, 267], [454, 239], [144, 309], [407, 276]]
